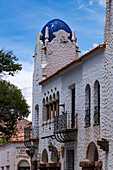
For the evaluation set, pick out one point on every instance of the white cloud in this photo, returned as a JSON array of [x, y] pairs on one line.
[[81, 6], [83, 52], [91, 2], [102, 3], [19, 49], [23, 80], [95, 45]]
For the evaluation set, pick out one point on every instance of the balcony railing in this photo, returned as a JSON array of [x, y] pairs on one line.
[[60, 122], [63, 130]]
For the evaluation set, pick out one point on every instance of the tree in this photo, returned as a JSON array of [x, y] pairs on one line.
[[8, 63], [13, 107]]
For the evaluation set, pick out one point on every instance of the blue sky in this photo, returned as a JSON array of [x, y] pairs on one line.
[[21, 20]]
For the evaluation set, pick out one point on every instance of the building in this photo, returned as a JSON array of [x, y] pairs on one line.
[[13, 154], [72, 99]]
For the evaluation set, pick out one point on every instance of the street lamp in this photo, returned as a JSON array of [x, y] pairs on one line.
[[31, 144], [52, 149]]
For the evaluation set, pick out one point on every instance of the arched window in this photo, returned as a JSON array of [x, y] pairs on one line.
[[44, 111], [96, 102], [36, 120], [44, 156], [47, 109], [87, 105], [51, 107], [54, 155], [92, 152], [57, 104]]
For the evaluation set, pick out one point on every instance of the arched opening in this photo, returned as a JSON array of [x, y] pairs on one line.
[[50, 107], [36, 120], [92, 161], [96, 102], [44, 156], [54, 155], [53, 96], [92, 152], [44, 111], [57, 104], [23, 165], [87, 105]]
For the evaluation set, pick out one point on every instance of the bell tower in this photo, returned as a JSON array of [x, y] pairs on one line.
[[55, 47]]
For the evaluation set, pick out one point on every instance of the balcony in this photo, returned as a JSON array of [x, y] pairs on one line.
[[64, 130]]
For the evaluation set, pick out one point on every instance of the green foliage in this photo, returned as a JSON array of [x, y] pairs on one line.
[[13, 107], [3, 140], [8, 63]]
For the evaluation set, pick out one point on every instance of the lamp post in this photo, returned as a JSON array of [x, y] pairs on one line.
[[31, 144]]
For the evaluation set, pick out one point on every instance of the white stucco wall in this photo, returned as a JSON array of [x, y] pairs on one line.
[[16, 152], [96, 66], [87, 72]]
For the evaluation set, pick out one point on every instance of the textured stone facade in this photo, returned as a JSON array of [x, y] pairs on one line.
[[93, 70]]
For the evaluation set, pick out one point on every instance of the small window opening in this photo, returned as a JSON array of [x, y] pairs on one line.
[[87, 105]]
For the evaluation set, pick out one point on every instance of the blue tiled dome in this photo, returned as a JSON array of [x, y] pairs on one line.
[[54, 26]]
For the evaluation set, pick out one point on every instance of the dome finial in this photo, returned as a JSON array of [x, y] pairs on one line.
[[73, 36], [47, 33]]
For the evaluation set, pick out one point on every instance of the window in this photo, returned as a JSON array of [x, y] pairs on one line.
[[96, 102], [47, 112], [73, 107], [7, 156], [44, 111], [37, 115], [87, 105], [51, 107]]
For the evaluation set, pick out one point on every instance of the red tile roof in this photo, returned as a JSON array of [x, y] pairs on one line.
[[19, 136], [16, 141]]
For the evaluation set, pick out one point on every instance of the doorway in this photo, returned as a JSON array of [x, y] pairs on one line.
[[23, 165], [70, 159]]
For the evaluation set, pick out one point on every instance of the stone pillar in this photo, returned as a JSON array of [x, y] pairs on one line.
[[87, 165]]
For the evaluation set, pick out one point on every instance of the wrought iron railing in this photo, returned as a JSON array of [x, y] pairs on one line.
[[60, 122]]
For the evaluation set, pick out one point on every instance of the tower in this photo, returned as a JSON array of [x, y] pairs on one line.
[[56, 47]]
